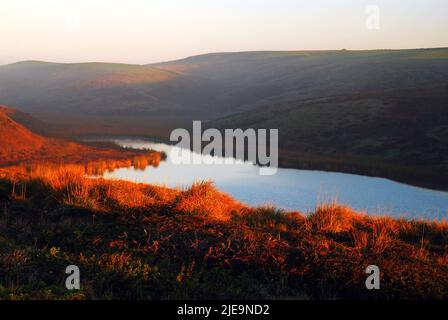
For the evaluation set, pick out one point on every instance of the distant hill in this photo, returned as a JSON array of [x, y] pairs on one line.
[[372, 112], [213, 85], [401, 135], [381, 113], [250, 79], [96, 89]]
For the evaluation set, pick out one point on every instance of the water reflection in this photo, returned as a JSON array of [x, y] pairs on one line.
[[290, 188]]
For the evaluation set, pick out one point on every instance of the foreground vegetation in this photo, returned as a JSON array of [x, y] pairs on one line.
[[135, 241]]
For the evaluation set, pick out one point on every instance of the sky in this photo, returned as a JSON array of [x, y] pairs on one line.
[[146, 31]]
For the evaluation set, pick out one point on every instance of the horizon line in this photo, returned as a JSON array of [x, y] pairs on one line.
[[224, 52]]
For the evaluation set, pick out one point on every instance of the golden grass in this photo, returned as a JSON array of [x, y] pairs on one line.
[[333, 245], [71, 184]]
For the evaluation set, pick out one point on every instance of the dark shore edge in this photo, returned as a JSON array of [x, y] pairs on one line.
[[413, 177]]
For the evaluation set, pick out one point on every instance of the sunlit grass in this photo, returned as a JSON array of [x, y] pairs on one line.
[[138, 241]]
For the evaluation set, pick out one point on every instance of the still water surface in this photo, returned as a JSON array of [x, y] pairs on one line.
[[291, 189]]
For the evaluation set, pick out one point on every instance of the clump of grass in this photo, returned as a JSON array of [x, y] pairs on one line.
[[204, 199], [333, 218], [270, 217]]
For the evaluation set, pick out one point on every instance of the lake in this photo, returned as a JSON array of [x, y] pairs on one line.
[[291, 189]]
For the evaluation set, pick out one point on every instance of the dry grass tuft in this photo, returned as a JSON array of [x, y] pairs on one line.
[[205, 200], [333, 218]]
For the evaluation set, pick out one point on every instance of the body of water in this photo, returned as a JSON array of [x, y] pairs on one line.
[[291, 189]]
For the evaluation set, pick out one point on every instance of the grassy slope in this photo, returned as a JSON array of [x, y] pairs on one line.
[[134, 241], [91, 89], [250, 79], [400, 135], [384, 115], [213, 85], [19, 144], [380, 112]]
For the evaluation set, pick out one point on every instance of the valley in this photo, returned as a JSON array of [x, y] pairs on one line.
[[349, 111]]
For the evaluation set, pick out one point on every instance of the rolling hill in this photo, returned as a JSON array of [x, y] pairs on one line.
[[213, 85], [402, 135], [19, 144], [377, 112], [91, 88], [249, 79]]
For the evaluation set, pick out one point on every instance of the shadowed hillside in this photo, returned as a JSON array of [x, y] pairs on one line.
[[401, 135], [380, 112], [214, 85], [250, 79]]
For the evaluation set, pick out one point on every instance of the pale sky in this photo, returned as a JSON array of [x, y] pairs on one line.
[[145, 31]]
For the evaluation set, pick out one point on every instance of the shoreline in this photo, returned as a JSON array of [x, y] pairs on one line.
[[289, 160]]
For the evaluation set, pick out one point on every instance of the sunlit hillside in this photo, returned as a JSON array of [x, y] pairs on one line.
[[137, 241], [20, 145]]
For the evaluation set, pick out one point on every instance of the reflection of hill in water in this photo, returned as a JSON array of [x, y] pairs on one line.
[[290, 188]]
